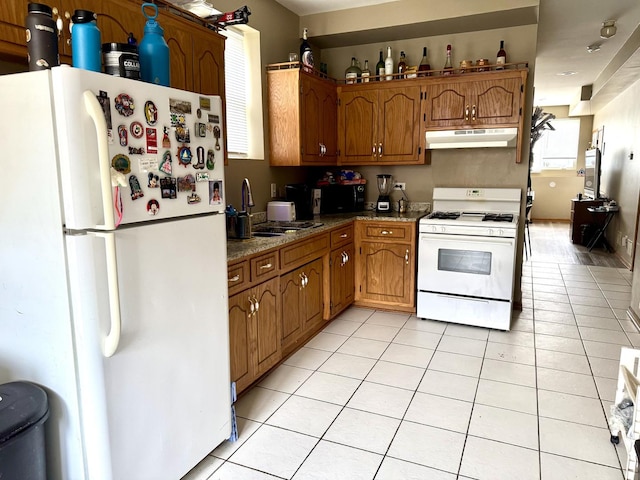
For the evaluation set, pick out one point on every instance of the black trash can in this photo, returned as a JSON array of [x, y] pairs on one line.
[[23, 410]]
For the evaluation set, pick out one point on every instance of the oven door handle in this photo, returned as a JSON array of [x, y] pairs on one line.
[[467, 239]]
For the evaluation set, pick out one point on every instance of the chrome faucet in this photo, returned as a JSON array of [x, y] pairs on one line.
[[247, 197]]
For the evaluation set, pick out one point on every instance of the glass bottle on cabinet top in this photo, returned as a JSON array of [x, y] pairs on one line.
[[424, 63], [353, 72], [306, 55], [365, 72], [388, 65], [380, 67], [402, 65], [448, 67], [501, 57]]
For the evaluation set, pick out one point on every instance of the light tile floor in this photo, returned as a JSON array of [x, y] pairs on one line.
[[381, 395]]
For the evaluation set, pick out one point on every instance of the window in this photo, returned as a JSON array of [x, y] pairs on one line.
[[243, 88], [557, 149]]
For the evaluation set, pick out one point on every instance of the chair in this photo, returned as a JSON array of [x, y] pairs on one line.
[[527, 235]]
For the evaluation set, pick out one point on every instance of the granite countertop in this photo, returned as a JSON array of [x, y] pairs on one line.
[[237, 249]]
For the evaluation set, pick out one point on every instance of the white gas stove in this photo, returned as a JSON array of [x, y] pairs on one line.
[[466, 256]]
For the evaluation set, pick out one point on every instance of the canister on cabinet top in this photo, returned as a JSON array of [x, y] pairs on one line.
[[85, 41], [42, 37], [121, 60]]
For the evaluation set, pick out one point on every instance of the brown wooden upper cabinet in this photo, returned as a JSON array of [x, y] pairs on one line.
[[302, 118], [379, 124], [486, 100]]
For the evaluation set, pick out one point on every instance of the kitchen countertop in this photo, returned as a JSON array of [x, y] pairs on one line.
[[237, 249]]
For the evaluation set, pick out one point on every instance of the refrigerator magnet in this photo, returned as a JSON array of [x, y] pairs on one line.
[[215, 192], [193, 198], [168, 187], [150, 113], [200, 156], [124, 105], [136, 129], [136, 150], [152, 140], [211, 163], [182, 135], [165, 164], [153, 207], [178, 120], [123, 135], [147, 164], [179, 106], [216, 134], [201, 130], [105, 103], [121, 163], [205, 103], [187, 183], [136, 189], [184, 155], [154, 180], [166, 141], [202, 176]]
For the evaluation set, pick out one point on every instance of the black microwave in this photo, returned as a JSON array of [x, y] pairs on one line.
[[337, 198]]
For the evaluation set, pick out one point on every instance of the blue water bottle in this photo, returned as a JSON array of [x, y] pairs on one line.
[[86, 48], [153, 51]]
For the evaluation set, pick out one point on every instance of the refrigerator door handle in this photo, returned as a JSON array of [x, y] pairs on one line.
[[94, 110], [113, 337]]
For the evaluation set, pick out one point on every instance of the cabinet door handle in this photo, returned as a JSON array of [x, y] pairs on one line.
[[344, 235], [406, 257], [266, 265], [380, 150], [257, 304], [301, 281], [473, 113], [386, 232], [373, 152], [252, 307], [306, 279], [347, 257], [324, 149], [235, 278], [344, 259], [466, 113]]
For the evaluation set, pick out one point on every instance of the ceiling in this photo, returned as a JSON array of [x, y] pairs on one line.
[[565, 29]]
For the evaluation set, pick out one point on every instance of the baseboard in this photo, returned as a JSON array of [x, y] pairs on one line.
[[624, 261], [633, 317], [550, 220]]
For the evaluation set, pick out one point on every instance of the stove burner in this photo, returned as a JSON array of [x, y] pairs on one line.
[[498, 217], [445, 215]]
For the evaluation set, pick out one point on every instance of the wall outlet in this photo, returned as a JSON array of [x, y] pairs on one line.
[[624, 241], [400, 186], [629, 248], [274, 190]]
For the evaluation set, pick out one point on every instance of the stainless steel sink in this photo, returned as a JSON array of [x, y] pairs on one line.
[[274, 229]]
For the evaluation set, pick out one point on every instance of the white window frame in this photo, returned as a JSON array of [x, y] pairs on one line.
[[555, 142], [250, 128]]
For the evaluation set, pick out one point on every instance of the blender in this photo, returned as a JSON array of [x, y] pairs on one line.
[[385, 185]]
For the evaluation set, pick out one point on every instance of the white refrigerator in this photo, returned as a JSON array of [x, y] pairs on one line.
[[113, 292]]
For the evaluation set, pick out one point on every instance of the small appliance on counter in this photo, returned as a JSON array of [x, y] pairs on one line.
[[301, 195], [338, 198], [281, 211], [385, 184]]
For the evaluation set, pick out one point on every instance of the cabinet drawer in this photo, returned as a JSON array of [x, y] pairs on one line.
[[299, 253], [341, 236], [394, 231], [237, 276], [264, 266]]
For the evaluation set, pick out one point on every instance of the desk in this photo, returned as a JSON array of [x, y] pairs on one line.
[[600, 233], [580, 216]]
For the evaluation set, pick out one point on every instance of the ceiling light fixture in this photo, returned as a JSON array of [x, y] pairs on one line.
[[567, 73], [608, 29], [593, 48], [201, 8]]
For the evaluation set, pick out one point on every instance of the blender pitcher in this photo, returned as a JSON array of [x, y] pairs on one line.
[[385, 185]]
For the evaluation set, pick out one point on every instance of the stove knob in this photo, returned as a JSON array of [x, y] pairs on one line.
[[434, 228], [491, 232], [443, 229], [501, 233]]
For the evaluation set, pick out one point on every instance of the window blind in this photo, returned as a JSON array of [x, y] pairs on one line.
[[235, 59]]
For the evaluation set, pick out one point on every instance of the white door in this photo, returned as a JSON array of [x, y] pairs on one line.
[[156, 407], [466, 265]]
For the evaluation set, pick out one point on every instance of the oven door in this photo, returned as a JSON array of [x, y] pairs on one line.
[[480, 267]]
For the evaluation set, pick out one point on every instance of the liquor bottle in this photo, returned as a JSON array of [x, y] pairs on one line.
[[365, 73], [501, 57], [424, 63], [352, 73], [388, 65], [306, 54], [448, 67], [380, 67], [402, 65]]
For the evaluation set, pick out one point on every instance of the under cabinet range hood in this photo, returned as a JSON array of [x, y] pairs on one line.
[[478, 138]]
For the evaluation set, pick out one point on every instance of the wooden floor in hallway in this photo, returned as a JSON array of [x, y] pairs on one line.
[[551, 242]]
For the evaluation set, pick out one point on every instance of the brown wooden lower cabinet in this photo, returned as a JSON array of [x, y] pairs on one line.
[[385, 265], [342, 278], [254, 332], [301, 299]]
